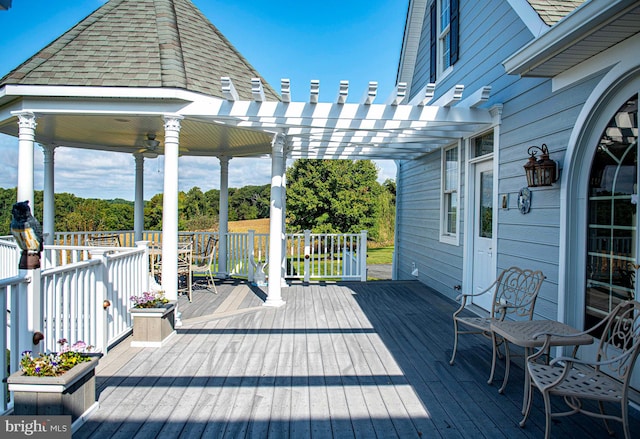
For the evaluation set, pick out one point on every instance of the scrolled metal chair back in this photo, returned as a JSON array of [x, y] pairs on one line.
[[620, 340], [516, 292]]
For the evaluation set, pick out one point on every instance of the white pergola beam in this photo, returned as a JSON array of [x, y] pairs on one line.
[[229, 90], [343, 92], [285, 90], [257, 90], [370, 94], [314, 91], [398, 94], [479, 97], [450, 97], [424, 96]]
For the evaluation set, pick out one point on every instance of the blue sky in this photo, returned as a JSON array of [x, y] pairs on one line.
[[332, 40]]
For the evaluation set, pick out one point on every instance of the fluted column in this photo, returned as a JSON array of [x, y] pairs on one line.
[[276, 236], [223, 216], [26, 137], [138, 205], [170, 207], [49, 204]]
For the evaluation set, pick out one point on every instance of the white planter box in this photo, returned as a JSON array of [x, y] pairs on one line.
[[153, 326]]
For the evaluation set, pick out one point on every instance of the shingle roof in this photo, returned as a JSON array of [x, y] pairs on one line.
[[552, 11], [141, 43]]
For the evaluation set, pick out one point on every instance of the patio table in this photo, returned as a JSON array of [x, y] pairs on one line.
[[521, 333]]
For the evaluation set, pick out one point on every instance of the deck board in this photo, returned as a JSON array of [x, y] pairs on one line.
[[356, 360]]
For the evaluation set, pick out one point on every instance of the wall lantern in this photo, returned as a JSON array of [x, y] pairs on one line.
[[542, 172]]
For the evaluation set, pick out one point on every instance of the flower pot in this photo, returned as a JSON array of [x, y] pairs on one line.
[[72, 393], [153, 326]]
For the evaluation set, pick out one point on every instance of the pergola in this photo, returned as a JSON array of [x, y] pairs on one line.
[[55, 101]]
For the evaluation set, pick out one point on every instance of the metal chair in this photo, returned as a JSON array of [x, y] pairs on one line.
[[185, 255], [605, 378], [514, 294], [203, 262]]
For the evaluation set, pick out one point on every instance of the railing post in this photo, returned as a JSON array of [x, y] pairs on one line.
[[251, 260], [307, 255], [30, 305], [362, 255], [101, 311]]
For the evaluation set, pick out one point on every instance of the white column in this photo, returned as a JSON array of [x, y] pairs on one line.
[[223, 216], [274, 293], [26, 137], [138, 205], [283, 268], [49, 204], [170, 208]]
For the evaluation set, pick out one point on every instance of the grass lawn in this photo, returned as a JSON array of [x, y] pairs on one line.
[[380, 255]]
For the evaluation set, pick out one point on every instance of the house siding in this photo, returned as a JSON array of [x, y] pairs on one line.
[[532, 114]]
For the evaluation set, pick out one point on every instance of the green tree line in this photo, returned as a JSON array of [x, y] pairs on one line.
[[324, 196]]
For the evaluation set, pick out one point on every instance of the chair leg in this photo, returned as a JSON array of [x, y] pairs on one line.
[[455, 342], [625, 420], [493, 358], [547, 415], [211, 282], [527, 408], [507, 363], [606, 424]]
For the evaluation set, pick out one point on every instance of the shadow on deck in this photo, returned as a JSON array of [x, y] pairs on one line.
[[338, 360]]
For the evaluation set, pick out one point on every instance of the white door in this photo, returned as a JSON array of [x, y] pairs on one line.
[[483, 252]]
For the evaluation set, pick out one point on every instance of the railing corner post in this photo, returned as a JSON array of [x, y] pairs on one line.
[[362, 255], [102, 282]]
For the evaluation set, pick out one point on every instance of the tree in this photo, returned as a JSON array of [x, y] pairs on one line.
[[332, 196]]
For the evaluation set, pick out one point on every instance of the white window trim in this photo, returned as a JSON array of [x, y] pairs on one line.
[[445, 237], [442, 72]]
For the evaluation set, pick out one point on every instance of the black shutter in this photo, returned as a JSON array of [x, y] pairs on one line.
[[455, 30], [433, 57]]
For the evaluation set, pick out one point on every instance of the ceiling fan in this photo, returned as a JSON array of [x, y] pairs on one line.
[[150, 149]]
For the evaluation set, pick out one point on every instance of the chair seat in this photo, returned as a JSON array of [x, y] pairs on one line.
[[481, 323], [581, 382]]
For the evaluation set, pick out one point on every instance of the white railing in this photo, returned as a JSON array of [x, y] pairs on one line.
[[339, 256], [9, 257], [87, 298], [11, 319]]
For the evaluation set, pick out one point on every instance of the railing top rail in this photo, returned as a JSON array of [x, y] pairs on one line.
[[70, 267], [15, 280]]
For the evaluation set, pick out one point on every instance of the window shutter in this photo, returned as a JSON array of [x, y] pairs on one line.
[[433, 54], [455, 30]]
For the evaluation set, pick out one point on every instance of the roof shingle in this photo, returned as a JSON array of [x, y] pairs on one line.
[[141, 43], [552, 11]]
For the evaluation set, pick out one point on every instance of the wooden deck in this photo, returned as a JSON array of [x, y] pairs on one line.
[[338, 360]]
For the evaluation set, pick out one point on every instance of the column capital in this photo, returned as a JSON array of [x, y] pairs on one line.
[[224, 159], [48, 149], [27, 120], [172, 122], [278, 143]]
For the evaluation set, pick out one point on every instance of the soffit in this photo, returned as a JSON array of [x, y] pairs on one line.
[[591, 29]]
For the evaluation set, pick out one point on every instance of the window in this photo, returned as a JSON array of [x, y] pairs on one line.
[[450, 182], [444, 44], [482, 144]]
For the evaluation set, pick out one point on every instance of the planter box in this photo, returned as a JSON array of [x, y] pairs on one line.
[[72, 393], [153, 326]]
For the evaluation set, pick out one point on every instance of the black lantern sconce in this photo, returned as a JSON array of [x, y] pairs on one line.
[[542, 172]]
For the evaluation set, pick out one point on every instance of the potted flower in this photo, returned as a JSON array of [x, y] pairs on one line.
[[153, 319], [56, 383]]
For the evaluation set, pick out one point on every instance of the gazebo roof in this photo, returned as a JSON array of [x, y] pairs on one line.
[[141, 43]]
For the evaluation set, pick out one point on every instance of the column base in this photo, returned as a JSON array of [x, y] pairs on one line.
[[274, 303]]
